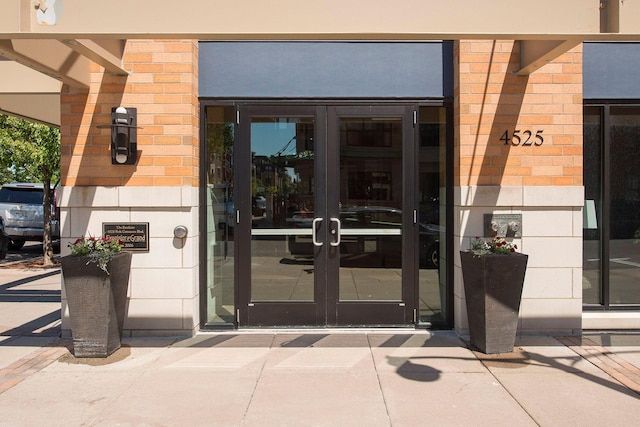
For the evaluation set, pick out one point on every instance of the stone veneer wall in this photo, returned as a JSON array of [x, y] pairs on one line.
[[162, 188], [543, 183]]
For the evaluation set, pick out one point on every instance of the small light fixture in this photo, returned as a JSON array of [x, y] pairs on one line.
[[180, 232], [124, 136]]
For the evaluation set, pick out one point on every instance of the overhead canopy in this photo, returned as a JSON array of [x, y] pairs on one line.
[[28, 93], [321, 19], [61, 37]]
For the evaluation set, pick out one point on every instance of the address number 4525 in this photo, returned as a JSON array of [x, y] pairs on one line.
[[522, 137]]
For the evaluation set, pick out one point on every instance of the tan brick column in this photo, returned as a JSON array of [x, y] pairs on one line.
[[161, 189], [163, 86], [542, 182]]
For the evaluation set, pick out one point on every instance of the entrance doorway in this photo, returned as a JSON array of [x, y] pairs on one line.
[[334, 216], [326, 223]]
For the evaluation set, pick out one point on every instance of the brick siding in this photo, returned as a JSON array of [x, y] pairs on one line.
[[163, 86], [490, 99]]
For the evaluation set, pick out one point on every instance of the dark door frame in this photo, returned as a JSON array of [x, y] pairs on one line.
[[351, 313], [326, 309], [238, 103], [271, 313]]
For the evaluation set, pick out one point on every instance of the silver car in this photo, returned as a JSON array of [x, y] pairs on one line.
[[21, 207], [4, 240]]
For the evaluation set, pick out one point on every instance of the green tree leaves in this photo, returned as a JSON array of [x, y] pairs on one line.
[[29, 152]]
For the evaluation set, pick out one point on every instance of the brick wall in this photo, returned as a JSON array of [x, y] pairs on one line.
[[161, 189], [163, 86], [541, 183], [490, 100]]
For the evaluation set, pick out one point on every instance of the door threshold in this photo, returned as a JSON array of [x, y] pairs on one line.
[[317, 330]]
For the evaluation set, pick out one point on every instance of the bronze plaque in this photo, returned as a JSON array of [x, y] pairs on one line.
[[133, 235]]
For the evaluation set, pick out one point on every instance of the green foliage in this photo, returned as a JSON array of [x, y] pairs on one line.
[[99, 250], [29, 152]]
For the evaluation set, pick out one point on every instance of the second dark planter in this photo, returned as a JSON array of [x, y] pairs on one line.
[[493, 289], [97, 303]]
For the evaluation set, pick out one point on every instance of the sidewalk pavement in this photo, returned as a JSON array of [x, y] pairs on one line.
[[303, 377]]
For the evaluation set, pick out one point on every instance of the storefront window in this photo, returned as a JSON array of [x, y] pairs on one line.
[[624, 205], [592, 222], [220, 215], [611, 265], [432, 215]]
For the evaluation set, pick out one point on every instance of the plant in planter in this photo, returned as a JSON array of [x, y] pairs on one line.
[[96, 279], [493, 274]]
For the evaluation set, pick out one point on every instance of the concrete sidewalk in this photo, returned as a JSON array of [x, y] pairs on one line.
[[307, 378]]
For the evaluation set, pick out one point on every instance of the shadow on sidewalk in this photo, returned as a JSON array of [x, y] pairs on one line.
[[15, 295], [416, 368], [8, 294], [47, 326]]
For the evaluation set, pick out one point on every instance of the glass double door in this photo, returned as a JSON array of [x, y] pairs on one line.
[[325, 217]]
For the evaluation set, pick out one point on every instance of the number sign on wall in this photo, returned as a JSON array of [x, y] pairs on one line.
[[522, 137]]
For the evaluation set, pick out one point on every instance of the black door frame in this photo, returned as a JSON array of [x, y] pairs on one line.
[[271, 313], [321, 311], [351, 313]]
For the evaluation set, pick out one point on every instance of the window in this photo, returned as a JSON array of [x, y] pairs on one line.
[[611, 237]]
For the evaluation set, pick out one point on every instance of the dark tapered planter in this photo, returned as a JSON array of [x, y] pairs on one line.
[[493, 290], [97, 303]]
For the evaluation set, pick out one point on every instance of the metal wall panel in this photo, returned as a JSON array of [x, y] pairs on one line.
[[325, 69], [610, 70]]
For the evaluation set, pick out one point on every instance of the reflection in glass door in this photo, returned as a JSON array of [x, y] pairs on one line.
[[277, 223], [327, 228], [368, 216], [371, 209], [282, 208]]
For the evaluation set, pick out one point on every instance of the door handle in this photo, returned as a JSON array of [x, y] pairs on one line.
[[337, 231], [313, 232]]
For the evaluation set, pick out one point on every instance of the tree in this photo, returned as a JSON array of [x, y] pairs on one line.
[[30, 152]]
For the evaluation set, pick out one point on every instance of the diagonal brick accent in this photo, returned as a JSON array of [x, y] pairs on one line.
[[612, 364], [23, 368]]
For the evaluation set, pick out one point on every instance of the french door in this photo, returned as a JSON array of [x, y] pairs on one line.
[[325, 215]]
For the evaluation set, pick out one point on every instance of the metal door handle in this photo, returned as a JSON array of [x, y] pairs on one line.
[[338, 231], [313, 232]]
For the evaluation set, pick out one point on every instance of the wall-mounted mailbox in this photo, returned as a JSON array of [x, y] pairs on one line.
[[502, 225]]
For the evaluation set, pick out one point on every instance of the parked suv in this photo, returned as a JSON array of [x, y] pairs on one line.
[[4, 240], [23, 213]]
